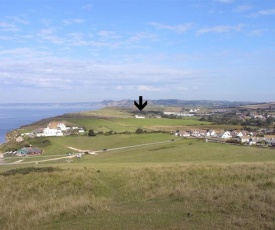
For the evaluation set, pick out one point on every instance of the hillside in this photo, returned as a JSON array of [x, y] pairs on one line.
[[180, 103], [270, 105], [175, 185]]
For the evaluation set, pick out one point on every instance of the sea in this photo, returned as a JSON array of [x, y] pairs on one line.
[[14, 116]]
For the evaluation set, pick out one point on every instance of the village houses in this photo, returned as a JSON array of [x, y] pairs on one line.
[[244, 137]]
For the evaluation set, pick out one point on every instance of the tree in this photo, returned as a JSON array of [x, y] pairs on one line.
[[139, 131], [91, 133], [269, 120]]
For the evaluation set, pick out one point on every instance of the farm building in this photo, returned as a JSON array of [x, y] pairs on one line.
[[29, 151]]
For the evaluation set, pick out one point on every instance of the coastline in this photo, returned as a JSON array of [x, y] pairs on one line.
[[14, 116]]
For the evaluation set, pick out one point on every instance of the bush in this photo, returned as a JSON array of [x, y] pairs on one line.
[[108, 133], [91, 133], [27, 170], [139, 131], [233, 141]]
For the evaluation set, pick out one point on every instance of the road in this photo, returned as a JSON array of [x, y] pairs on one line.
[[133, 146]]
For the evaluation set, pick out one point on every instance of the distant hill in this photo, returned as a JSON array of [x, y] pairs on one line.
[[161, 102], [269, 105], [181, 103]]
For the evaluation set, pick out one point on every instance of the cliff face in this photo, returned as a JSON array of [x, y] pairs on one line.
[[10, 136]]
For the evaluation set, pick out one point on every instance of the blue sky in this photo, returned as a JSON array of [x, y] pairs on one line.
[[75, 51]]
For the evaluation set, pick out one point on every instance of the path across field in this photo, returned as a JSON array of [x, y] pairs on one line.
[[82, 151]]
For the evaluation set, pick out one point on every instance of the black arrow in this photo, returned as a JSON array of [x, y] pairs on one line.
[[140, 105]]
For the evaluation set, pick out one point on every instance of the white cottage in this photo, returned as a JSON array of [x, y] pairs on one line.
[[226, 135]]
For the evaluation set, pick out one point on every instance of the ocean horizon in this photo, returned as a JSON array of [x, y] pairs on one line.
[[13, 116]]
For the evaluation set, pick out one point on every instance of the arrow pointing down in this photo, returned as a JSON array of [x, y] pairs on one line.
[[140, 105]]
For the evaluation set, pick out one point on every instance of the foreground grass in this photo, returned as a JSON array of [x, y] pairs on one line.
[[181, 184], [185, 196]]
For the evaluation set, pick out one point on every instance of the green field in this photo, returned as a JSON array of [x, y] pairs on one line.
[[181, 184], [60, 144], [131, 124]]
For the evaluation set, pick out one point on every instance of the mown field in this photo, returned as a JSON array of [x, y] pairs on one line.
[[181, 184], [131, 124], [60, 145]]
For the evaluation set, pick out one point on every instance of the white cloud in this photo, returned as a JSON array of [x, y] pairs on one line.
[[18, 20], [76, 35], [224, 1], [257, 32], [242, 8], [264, 13], [54, 39], [45, 22], [119, 87], [8, 27], [149, 88], [137, 87], [46, 31], [33, 69], [79, 39], [73, 21], [108, 34], [22, 53], [87, 6], [181, 28], [221, 29], [6, 38], [141, 36]]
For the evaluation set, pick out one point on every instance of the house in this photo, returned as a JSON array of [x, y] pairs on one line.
[[193, 110], [195, 133], [269, 131], [47, 132], [244, 139], [202, 133], [58, 125], [81, 131], [182, 134], [28, 151], [180, 114], [238, 133], [257, 140], [241, 134], [211, 133], [139, 117], [53, 129], [250, 140], [270, 141], [225, 135]]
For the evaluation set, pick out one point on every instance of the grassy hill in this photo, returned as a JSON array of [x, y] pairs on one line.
[[181, 184]]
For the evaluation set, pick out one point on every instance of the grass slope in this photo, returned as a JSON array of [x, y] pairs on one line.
[[185, 184]]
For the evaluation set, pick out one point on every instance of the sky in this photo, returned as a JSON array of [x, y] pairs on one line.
[[89, 51]]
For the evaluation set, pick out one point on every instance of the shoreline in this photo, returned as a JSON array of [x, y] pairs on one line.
[[16, 115]]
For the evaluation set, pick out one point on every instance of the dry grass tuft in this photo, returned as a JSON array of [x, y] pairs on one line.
[[187, 196]]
